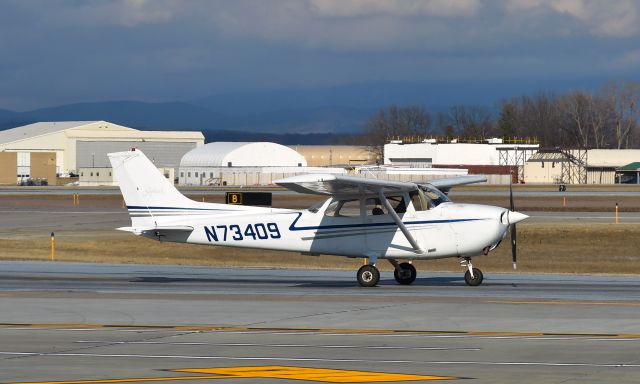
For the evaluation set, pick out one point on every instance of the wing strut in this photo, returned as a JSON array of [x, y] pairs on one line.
[[396, 218]]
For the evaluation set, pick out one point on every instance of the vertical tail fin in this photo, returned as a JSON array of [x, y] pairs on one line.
[[152, 200], [144, 187]]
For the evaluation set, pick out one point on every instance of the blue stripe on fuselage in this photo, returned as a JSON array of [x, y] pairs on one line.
[[293, 227], [178, 208]]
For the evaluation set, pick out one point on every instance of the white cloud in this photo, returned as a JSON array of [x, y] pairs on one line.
[[134, 12], [395, 8], [620, 18], [121, 13], [630, 59]]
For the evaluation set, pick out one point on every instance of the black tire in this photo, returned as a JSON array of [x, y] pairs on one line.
[[477, 280], [368, 276], [408, 276]]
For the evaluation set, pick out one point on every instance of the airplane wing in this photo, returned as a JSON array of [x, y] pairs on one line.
[[327, 184], [446, 184]]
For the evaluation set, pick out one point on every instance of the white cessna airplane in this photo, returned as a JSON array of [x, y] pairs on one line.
[[375, 219]]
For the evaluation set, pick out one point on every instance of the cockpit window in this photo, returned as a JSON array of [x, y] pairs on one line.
[[434, 196], [373, 207], [343, 208]]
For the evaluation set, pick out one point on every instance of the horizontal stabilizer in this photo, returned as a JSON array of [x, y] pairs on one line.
[[161, 229]]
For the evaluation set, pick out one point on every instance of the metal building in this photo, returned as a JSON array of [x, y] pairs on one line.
[[85, 144], [579, 166], [496, 156]]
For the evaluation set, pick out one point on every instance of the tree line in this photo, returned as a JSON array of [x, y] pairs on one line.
[[606, 118]]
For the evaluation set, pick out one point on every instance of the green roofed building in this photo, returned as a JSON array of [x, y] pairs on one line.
[[629, 174]]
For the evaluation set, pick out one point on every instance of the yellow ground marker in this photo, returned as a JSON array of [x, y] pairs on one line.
[[312, 374], [323, 375]]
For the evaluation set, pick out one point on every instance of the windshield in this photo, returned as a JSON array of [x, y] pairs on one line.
[[434, 195]]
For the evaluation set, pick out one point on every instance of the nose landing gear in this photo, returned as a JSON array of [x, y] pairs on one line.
[[404, 273], [473, 276]]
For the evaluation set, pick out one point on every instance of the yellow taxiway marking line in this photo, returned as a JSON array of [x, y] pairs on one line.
[[323, 375], [566, 302], [330, 330]]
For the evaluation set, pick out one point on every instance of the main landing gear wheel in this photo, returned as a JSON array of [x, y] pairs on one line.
[[475, 280], [405, 274], [368, 276]]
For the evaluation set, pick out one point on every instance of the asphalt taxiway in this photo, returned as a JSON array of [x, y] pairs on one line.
[[47, 219], [133, 323]]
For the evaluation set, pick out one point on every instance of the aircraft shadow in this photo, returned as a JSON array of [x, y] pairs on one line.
[[425, 281]]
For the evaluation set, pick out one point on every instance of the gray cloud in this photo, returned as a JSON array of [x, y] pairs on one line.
[[61, 51]]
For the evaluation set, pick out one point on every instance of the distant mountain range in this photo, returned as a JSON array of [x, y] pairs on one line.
[[286, 126], [286, 116]]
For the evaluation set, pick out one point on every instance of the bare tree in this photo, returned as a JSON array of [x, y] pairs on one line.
[[393, 122], [472, 121], [575, 106], [536, 116], [624, 98], [599, 118]]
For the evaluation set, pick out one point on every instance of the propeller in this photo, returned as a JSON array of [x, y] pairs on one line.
[[512, 227]]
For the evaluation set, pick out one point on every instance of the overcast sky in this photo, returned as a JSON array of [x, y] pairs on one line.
[[54, 52]]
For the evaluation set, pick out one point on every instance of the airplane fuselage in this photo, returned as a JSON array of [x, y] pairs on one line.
[[448, 230]]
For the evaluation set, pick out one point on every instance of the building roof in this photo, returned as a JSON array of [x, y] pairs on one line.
[[242, 154], [553, 156], [38, 129], [635, 166], [91, 129]]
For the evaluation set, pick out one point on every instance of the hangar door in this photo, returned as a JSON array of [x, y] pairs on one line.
[[163, 154]]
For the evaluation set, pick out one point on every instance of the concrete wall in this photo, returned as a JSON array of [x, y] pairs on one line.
[[330, 155], [103, 176], [55, 142], [245, 175], [8, 168], [612, 157], [448, 154], [43, 166]]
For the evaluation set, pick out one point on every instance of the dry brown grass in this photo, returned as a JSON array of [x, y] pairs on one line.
[[553, 248]]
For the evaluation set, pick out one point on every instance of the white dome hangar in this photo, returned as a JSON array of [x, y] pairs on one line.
[[242, 154], [242, 163]]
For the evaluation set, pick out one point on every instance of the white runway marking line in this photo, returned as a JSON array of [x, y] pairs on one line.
[[70, 212], [276, 358], [438, 336], [280, 345], [613, 338]]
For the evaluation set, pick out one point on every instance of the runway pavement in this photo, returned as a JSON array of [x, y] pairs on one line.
[[21, 220], [134, 323], [80, 324]]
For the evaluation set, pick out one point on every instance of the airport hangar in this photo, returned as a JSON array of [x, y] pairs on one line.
[[50, 149], [244, 163]]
